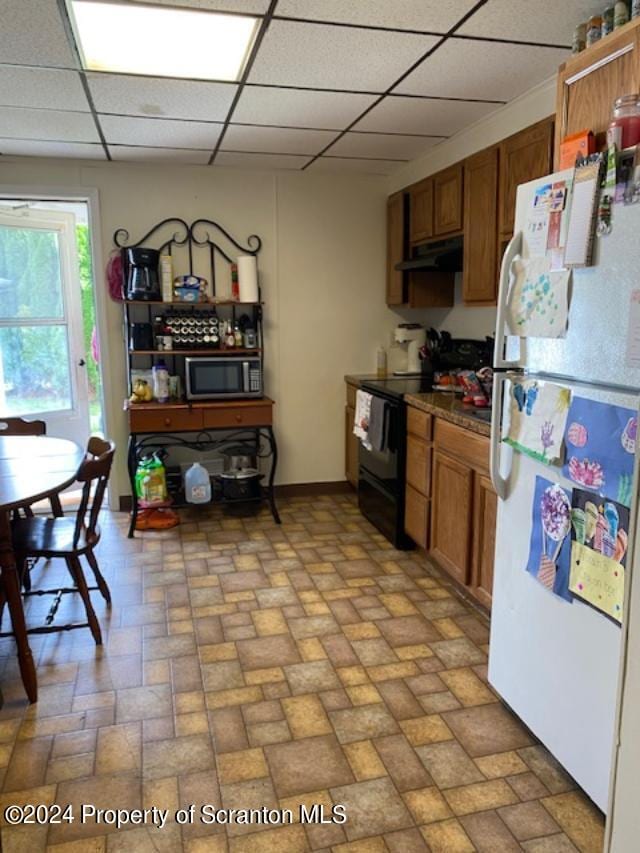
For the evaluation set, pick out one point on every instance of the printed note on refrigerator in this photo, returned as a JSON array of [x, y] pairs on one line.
[[599, 541], [538, 302], [550, 544], [537, 419], [633, 331], [537, 225]]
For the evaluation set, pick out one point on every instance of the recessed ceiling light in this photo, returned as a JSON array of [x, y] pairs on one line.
[[162, 41]]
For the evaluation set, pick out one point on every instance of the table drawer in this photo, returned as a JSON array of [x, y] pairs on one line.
[[462, 444], [419, 423], [419, 464], [237, 416], [170, 420]]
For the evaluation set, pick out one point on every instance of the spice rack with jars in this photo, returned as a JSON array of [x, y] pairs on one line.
[[157, 330]]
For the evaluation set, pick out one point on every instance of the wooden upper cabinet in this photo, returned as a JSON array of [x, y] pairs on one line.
[[447, 200], [590, 83], [396, 248], [480, 262], [523, 157], [421, 211]]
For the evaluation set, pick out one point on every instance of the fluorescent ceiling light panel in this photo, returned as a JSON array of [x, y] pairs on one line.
[[162, 41]]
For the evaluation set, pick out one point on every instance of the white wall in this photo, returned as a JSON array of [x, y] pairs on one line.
[[322, 270], [535, 105]]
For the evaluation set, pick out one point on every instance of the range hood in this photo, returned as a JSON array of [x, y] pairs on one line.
[[439, 256]]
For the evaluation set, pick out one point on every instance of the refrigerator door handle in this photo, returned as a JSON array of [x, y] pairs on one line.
[[512, 251], [499, 482]]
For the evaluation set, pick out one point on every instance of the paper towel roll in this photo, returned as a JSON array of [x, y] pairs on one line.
[[248, 278]]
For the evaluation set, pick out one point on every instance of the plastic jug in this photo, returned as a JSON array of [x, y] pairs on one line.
[[197, 486]]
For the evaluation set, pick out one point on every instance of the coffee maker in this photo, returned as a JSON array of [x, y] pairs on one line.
[[404, 353], [142, 275]]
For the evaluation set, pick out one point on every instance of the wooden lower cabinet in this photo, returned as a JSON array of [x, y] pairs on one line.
[[350, 448], [416, 516], [451, 515], [485, 505]]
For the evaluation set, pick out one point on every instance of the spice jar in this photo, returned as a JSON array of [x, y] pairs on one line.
[[621, 14], [594, 30], [635, 9], [624, 129], [580, 36], [608, 20]]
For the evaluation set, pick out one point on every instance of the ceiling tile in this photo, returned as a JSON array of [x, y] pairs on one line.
[[31, 33], [543, 21], [154, 96], [435, 16], [342, 164], [160, 155], [47, 124], [253, 7], [50, 88], [422, 115], [34, 148], [299, 108], [326, 57], [126, 130], [493, 72], [275, 140], [382, 145], [260, 161]]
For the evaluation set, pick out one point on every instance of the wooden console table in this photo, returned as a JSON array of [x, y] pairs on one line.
[[158, 425]]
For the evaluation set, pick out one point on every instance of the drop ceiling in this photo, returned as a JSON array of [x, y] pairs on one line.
[[331, 85]]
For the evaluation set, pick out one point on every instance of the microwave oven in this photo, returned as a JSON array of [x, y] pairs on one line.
[[222, 377]]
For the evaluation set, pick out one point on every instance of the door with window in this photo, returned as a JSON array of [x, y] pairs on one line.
[[42, 351]]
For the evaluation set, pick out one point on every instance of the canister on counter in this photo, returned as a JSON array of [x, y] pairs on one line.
[[594, 30], [608, 18], [580, 37], [621, 13]]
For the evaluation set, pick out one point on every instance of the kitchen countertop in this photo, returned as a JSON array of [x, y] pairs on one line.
[[357, 379], [450, 408]]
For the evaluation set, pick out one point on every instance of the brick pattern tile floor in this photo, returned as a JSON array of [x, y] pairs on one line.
[[246, 665]]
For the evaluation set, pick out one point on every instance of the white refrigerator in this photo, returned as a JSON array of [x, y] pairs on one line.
[[557, 664]]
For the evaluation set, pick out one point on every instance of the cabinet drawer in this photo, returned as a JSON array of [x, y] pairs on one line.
[[419, 464], [419, 423], [351, 395], [170, 420], [237, 416], [416, 517], [462, 444]]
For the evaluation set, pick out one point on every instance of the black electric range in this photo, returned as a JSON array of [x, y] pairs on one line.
[[381, 474]]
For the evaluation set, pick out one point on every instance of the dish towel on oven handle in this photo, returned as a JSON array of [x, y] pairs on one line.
[[362, 416], [378, 424]]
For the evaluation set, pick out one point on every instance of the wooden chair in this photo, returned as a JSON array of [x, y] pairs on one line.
[[18, 426], [70, 539]]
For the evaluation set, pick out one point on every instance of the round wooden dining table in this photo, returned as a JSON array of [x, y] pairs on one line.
[[31, 469]]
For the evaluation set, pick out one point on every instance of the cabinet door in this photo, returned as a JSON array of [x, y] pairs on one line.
[[523, 157], [589, 83], [396, 244], [419, 465], [451, 516], [480, 267], [416, 516], [350, 447], [447, 202], [485, 504], [421, 211]]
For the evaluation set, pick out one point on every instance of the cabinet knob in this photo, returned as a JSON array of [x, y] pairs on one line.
[[239, 419], [167, 421]]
